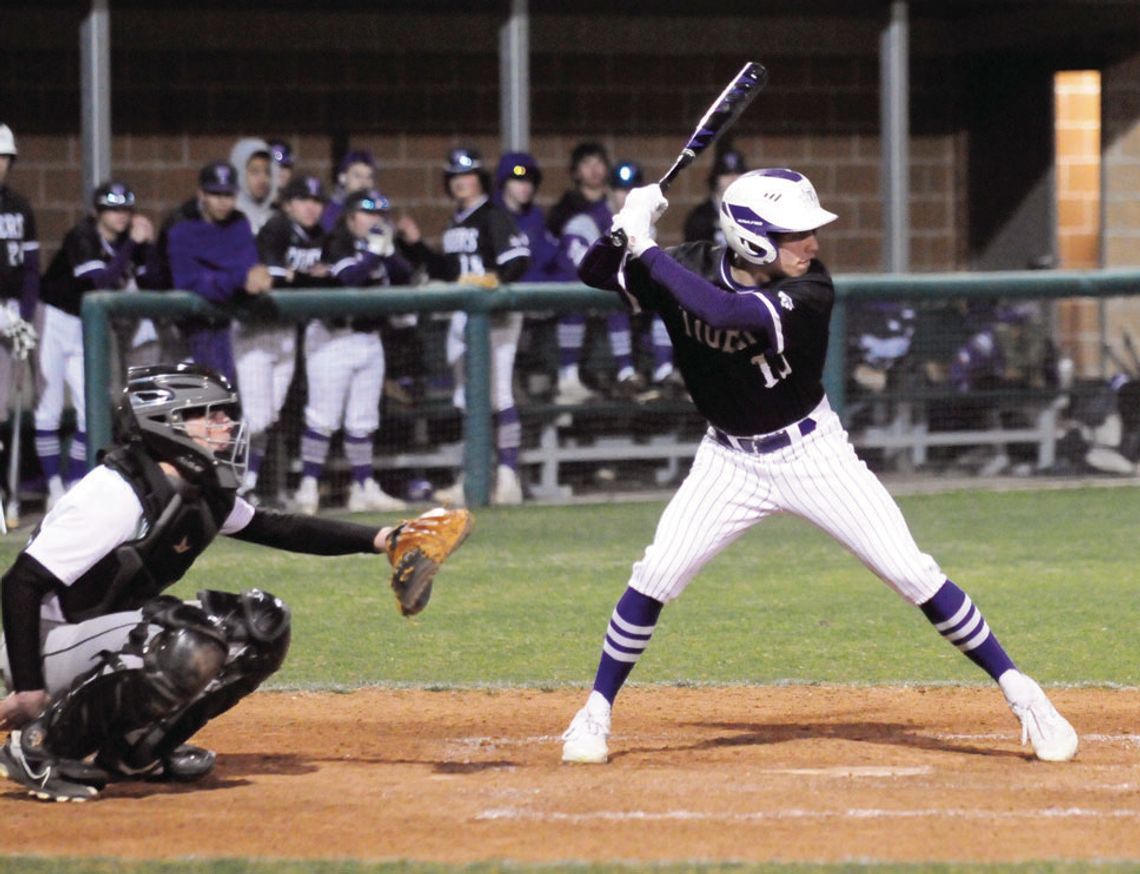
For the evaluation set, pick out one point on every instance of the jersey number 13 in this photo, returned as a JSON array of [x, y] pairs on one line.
[[774, 370]]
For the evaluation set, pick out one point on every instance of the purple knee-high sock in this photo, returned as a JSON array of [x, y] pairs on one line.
[[631, 626], [956, 618]]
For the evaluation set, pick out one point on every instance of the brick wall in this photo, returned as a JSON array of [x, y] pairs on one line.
[[409, 87]]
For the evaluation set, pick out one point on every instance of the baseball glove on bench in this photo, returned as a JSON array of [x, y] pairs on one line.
[[417, 547]]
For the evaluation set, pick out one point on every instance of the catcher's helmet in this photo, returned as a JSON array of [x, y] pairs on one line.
[[158, 403], [626, 175], [113, 195], [8, 142], [764, 202], [517, 165]]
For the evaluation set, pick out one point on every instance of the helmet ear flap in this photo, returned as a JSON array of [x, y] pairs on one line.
[[753, 245]]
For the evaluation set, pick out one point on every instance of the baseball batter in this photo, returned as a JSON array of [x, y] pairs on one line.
[[100, 662], [106, 250], [749, 323]]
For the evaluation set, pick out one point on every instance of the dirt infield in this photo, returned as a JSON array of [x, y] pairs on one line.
[[758, 773]]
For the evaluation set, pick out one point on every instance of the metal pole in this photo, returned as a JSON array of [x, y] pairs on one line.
[[477, 420], [514, 79], [95, 92], [894, 103]]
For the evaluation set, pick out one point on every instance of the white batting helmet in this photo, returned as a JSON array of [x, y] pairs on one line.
[[7, 141], [769, 201]]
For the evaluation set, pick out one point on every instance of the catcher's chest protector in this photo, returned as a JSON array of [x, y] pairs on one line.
[[182, 520]]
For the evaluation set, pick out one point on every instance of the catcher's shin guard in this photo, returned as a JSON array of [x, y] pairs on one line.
[[256, 626], [113, 700]]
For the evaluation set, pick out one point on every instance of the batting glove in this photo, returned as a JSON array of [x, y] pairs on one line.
[[643, 207]]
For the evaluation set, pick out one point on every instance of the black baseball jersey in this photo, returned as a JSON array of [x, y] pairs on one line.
[[87, 261], [752, 357], [480, 240], [285, 246], [17, 240]]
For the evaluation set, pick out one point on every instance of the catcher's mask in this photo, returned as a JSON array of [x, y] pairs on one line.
[[189, 416]]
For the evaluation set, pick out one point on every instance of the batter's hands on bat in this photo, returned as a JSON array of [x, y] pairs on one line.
[[258, 280], [20, 708], [643, 207]]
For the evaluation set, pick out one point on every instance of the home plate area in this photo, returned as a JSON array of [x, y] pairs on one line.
[[808, 773]]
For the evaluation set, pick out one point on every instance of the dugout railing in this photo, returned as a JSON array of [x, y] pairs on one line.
[[100, 308]]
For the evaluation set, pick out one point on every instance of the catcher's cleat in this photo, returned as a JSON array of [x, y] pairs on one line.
[[1053, 738], [47, 778], [187, 763], [184, 764], [585, 741], [416, 549]]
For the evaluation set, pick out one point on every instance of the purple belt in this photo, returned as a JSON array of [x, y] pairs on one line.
[[768, 443]]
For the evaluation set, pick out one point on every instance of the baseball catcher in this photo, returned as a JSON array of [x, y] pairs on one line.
[[109, 677]]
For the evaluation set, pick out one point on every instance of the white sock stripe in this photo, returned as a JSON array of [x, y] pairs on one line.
[[967, 629], [618, 655], [957, 617], [631, 642], [976, 641], [629, 627]]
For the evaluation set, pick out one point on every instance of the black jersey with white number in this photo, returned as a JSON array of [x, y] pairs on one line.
[[17, 238], [286, 247], [485, 239], [87, 261], [746, 381]]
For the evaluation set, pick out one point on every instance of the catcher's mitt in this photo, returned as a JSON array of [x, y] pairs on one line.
[[417, 547]]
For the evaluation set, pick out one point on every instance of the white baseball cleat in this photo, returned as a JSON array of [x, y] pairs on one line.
[[307, 497], [1053, 738], [368, 495], [453, 496], [584, 742], [508, 486]]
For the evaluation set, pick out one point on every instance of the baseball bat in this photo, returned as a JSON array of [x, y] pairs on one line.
[[719, 117], [12, 510]]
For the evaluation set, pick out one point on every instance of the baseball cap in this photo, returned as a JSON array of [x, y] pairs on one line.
[[281, 153], [367, 200], [113, 195], [463, 160], [626, 175], [357, 156], [728, 162], [518, 165], [304, 187], [218, 177]]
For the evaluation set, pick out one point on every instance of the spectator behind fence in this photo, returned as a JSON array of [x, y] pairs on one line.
[[344, 358], [481, 246], [703, 221], [581, 216], [214, 255], [265, 349], [106, 250], [356, 172], [282, 168], [19, 271]]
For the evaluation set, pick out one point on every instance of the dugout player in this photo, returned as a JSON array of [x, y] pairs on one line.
[[481, 246], [19, 271], [265, 350], [257, 182], [213, 253], [106, 250], [282, 156], [703, 222], [356, 172], [749, 324], [344, 357], [97, 660], [576, 220]]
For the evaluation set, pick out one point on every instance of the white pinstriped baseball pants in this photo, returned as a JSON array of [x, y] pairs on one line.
[[819, 478]]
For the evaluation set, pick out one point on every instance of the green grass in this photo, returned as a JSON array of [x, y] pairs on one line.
[[526, 600]]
